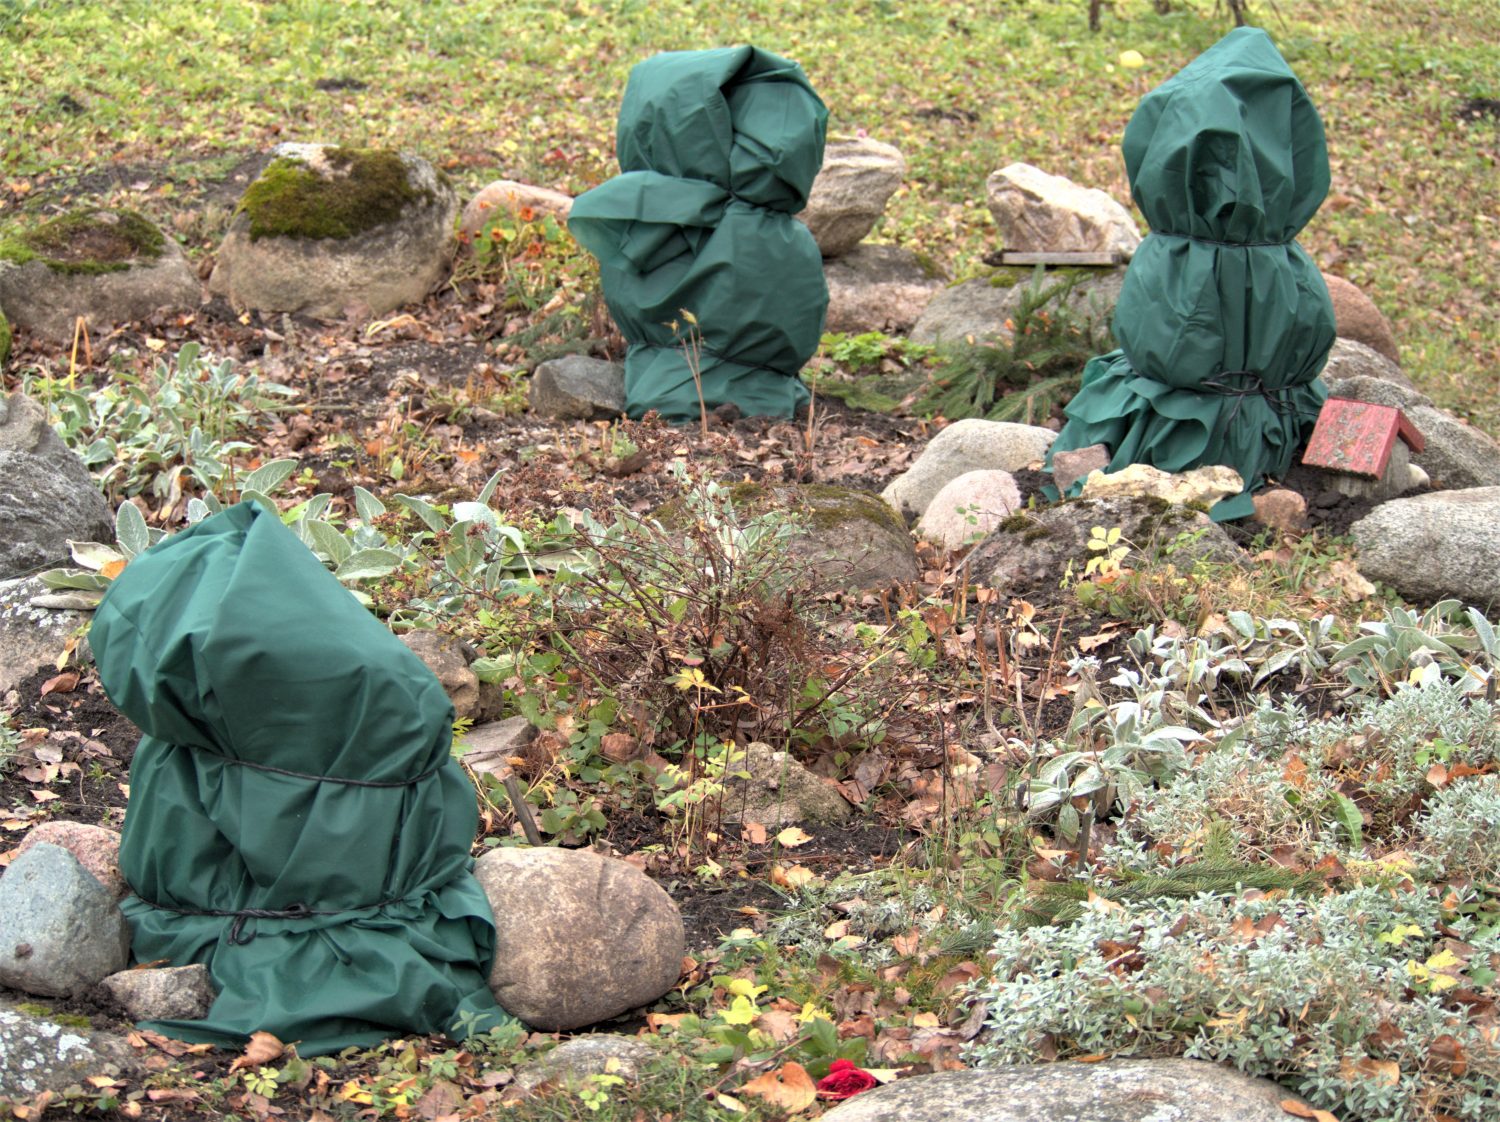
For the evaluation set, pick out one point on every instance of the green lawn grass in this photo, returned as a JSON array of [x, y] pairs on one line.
[[529, 90]]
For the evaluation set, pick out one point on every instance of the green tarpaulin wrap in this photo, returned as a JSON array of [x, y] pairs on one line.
[[1223, 322], [243, 660], [717, 149]]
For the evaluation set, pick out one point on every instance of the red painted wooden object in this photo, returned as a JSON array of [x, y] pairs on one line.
[[1356, 437]]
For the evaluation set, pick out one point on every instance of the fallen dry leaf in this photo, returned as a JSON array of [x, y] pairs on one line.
[[788, 1087], [792, 837], [1302, 1110], [262, 1049], [66, 682]]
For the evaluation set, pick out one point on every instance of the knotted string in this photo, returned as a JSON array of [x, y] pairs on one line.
[[1252, 386]]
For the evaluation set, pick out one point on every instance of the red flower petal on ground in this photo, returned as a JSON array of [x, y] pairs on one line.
[[844, 1081]]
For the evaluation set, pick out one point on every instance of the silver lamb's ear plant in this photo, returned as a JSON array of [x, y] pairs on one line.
[[1407, 649]]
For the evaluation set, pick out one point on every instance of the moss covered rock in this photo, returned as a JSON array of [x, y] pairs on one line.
[[327, 231], [1033, 549], [105, 265], [853, 539]]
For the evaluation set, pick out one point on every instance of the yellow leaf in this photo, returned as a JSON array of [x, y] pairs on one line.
[[112, 569], [926, 1020], [795, 877], [352, 1092], [811, 1011], [745, 987], [792, 837], [789, 1087], [742, 1011], [729, 1102]]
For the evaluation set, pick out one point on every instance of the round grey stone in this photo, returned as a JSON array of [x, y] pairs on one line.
[[580, 937], [60, 931]]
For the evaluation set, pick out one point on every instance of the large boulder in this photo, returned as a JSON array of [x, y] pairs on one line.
[[849, 540], [60, 930], [877, 288], [969, 507], [985, 307], [31, 637], [1350, 358], [780, 792], [1433, 546], [1112, 1091], [1455, 455], [848, 197], [1358, 319], [46, 494], [522, 201], [1042, 213], [38, 1054], [328, 231], [972, 444], [578, 388], [580, 937], [1033, 549], [106, 266]]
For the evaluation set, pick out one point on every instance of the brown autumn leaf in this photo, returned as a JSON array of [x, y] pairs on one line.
[[1302, 1110], [439, 1099], [960, 975], [780, 1025], [789, 1087], [1447, 1051], [262, 1049], [753, 832], [66, 682]]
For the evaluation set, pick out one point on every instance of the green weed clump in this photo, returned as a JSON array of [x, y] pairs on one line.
[[1023, 377]]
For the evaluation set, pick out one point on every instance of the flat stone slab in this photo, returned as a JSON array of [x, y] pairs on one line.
[[38, 1054], [1112, 1091]]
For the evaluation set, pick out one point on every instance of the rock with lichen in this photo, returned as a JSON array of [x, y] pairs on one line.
[[329, 231], [101, 265], [1033, 549]]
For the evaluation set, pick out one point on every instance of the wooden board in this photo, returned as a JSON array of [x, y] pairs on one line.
[[1356, 437], [1021, 257]]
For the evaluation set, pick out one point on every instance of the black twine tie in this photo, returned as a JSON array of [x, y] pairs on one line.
[[1249, 384]]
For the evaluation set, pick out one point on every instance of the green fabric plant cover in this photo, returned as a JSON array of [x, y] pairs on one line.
[[1223, 322], [243, 660], [717, 149]]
